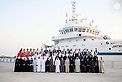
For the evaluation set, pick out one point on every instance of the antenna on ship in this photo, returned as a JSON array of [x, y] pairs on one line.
[[66, 17], [91, 22], [73, 10]]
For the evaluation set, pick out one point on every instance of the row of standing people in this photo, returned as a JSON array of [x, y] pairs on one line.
[[84, 61]]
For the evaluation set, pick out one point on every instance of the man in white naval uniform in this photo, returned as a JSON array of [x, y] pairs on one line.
[[34, 62], [57, 64]]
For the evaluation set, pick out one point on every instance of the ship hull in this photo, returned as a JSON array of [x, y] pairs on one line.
[[110, 53]]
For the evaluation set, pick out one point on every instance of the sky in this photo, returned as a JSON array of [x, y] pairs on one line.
[[30, 23]]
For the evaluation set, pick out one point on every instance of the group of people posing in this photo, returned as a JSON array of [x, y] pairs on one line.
[[85, 61]]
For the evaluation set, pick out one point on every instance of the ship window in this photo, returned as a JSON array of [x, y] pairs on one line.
[[109, 48], [84, 39], [113, 43], [61, 32], [74, 45], [79, 29], [107, 42], [97, 33], [71, 29], [76, 29], [90, 31], [87, 30], [93, 32], [56, 42], [66, 46], [92, 39], [79, 34], [66, 30], [101, 43], [83, 30]]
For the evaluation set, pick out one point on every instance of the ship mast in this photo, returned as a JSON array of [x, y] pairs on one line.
[[66, 17], [73, 11], [74, 16]]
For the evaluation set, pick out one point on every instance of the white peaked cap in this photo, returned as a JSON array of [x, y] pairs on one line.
[[24, 58], [18, 57], [60, 54], [77, 51], [67, 54]]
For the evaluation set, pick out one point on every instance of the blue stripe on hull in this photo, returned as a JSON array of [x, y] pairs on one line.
[[109, 53]]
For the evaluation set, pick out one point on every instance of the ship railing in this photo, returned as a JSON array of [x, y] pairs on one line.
[[8, 60]]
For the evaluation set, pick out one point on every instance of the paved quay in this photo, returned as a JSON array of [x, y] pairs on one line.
[[112, 74]]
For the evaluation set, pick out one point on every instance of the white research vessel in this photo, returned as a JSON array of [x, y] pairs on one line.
[[80, 34]]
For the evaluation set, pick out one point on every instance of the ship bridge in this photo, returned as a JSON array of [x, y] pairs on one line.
[[76, 27]]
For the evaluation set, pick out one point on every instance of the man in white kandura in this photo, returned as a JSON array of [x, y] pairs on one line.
[[54, 56], [67, 63], [39, 64], [43, 64], [57, 64], [77, 65], [101, 65]]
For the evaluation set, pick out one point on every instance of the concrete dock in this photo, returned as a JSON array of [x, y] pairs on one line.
[[113, 73]]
